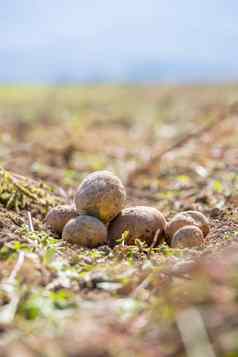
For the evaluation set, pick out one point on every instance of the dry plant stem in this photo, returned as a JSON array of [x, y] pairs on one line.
[[7, 312], [194, 335], [24, 190], [154, 242], [154, 159], [30, 223], [142, 286], [17, 267]]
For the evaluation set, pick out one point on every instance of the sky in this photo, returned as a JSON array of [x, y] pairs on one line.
[[59, 41]]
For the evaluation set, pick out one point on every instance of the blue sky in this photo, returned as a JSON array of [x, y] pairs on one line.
[[74, 40]]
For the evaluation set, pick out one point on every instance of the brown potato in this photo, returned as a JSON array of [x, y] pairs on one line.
[[139, 222], [86, 231], [101, 194], [201, 220], [185, 219], [187, 237], [178, 221], [58, 216]]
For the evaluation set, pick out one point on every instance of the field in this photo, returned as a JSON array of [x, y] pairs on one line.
[[175, 148]]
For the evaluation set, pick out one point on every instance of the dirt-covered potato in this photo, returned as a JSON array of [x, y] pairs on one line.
[[101, 194], [187, 237], [185, 219], [201, 220], [86, 231], [139, 222], [178, 221], [58, 216]]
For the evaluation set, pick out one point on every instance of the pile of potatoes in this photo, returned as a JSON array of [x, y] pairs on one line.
[[98, 216]]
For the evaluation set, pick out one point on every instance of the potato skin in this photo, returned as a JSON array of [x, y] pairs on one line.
[[178, 221], [187, 237], [201, 221], [58, 216], [186, 218], [86, 231], [140, 222], [101, 194]]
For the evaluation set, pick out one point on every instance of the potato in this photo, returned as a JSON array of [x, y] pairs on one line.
[[178, 221], [139, 222], [187, 237], [101, 194], [201, 220], [86, 231], [58, 216], [185, 219]]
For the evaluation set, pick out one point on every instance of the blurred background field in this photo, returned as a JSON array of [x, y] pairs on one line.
[[59, 134]]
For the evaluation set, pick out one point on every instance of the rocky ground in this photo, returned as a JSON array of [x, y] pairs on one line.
[[175, 148]]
